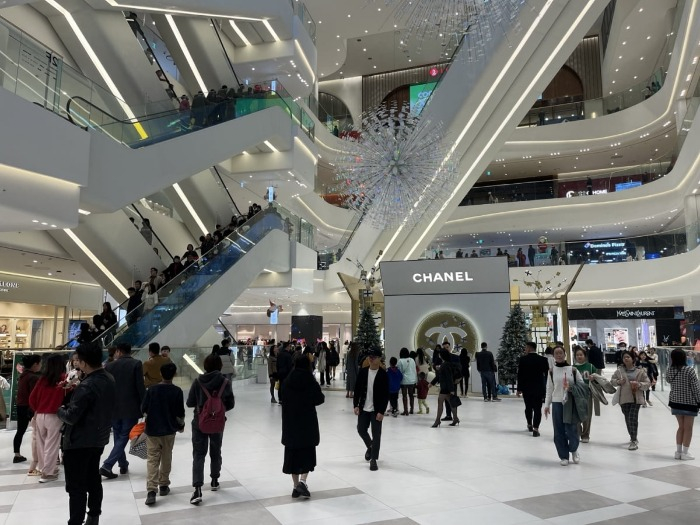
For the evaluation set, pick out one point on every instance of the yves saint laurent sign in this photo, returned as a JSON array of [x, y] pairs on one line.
[[445, 276], [6, 286]]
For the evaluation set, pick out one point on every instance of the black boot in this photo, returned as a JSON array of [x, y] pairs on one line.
[[92, 520]]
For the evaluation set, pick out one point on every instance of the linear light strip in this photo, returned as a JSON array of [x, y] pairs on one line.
[[239, 33], [98, 65], [80, 244], [514, 108], [189, 361], [190, 208], [272, 31], [644, 126], [344, 230], [306, 60], [307, 150], [186, 52], [50, 279], [269, 145], [114, 3]]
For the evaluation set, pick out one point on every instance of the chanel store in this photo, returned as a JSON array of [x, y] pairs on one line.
[[462, 301]]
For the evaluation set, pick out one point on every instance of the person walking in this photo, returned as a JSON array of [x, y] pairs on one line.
[[395, 377], [164, 407], [87, 421], [45, 400], [445, 376], [464, 363], [284, 361], [486, 366], [409, 378], [323, 367], [369, 404], [352, 368], [586, 370], [128, 377], [301, 394], [422, 389], [684, 401], [532, 376], [632, 382], [595, 355], [211, 384], [25, 384], [651, 370], [559, 382]]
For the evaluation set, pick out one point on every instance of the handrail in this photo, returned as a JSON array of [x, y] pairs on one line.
[[153, 231], [216, 170], [223, 49], [116, 120]]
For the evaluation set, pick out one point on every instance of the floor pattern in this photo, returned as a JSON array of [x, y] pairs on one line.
[[487, 470]]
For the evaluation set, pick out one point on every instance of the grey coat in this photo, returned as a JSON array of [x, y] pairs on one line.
[[351, 370], [576, 406]]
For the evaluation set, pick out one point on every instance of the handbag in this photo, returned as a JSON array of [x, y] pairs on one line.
[[277, 384], [138, 447], [455, 401]]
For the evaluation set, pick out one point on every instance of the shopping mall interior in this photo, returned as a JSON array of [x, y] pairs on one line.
[[234, 155]]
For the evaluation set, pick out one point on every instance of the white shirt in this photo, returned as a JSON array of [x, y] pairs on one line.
[[369, 402], [555, 383]]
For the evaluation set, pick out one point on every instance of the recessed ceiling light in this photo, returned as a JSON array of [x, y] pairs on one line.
[[349, 16], [624, 43], [641, 58], [649, 37], [364, 49], [628, 27], [641, 9], [620, 57], [35, 261], [34, 220], [252, 68]]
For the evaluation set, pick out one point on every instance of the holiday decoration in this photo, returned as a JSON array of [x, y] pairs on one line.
[[515, 335], [367, 334], [396, 169]]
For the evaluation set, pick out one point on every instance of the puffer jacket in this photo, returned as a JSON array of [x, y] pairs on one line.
[[88, 416]]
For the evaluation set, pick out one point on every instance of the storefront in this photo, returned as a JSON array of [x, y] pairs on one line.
[[640, 327], [37, 312]]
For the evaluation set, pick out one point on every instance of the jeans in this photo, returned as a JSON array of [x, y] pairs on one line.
[[533, 409], [120, 436], [83, 482], [394, 401], [200, 443], [364, 421], [488, 385], [565, 434], [24, 415]]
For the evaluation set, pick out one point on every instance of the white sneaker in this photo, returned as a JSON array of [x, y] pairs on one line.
[[677, 455], [634, 445], [650, 403], [687, 456], [575, 456], [564, 462]]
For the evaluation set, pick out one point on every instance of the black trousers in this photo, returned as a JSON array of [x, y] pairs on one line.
[[533, 409], [83, 482], [202, 442], [24, 416], [364, 421]]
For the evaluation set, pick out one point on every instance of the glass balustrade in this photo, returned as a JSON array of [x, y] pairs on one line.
[[304, 16], [180, 292], [587, 251], [334, 254]]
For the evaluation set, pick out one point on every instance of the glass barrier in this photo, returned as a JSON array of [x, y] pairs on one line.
[[304, 16], [587, 251], [334, 254], [37, 74], [148, 232], [190, 363], [663, 363], [178, 293]]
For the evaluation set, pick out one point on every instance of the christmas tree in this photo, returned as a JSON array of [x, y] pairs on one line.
[[367, 335], [515, 335]]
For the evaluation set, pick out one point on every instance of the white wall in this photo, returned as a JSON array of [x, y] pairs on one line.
[[349, 90]]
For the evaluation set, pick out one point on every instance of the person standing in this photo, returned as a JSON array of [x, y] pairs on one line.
[[369, 404], [532, 375], [272, 371], [409, 378], [486, 366], [352, 368], [323, 368], [301, 394], [422, 389], [559, 382], [45, 400], [464, 363], [531, 255], [25, 384], [151, 367], [128, 377], [595, 355], [445, 376], [650, 369], [87, 419], [684, 401], [395, 377], [284, 362], [210, 384], [632, 382], [227, 360], [586, 369], [164, 407]]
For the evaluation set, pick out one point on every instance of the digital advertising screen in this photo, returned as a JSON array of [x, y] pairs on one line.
[[419, 95]]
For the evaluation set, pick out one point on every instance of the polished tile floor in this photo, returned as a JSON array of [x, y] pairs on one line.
[[488, 470]]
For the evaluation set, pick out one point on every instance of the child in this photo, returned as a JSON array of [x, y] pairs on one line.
[[164, 406], [422, 388], [395, 377]]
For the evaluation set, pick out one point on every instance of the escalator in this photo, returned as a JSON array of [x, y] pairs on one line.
[[192, 300]]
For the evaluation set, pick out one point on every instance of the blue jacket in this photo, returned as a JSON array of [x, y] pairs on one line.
[[395, 377]]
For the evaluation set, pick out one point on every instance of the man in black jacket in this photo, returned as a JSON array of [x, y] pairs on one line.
[[486, 366], [595, 355], [87, 421], [532, 374], [128, 376], [369, 402], [284, 363]]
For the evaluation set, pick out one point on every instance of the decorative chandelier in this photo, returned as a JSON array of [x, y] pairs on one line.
[[396, 168], [448, 21]]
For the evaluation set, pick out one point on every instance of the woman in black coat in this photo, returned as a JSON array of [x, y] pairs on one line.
[[300, 394]]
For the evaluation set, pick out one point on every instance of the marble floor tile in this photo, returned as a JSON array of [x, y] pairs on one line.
[[553, 505], [683, 474]]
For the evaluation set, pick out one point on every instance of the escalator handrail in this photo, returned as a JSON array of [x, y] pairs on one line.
[[153, 232], [216, 170], [235, 233]]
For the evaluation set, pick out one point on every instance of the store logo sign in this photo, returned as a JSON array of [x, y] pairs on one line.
[[442, 277], [6, 286], [638, 314]]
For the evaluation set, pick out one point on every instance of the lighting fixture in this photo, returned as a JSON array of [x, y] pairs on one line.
[[190, 208], [80, 244], [186, 52], [271, 31], [269, 145], [239, 33]]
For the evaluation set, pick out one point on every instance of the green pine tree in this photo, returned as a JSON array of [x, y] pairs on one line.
[[515, 335], [367, 334]]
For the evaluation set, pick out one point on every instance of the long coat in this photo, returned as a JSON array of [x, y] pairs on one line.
[[351, 369], [300, 394]]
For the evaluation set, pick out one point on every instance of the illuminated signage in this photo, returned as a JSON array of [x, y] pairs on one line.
[[6, 286], [441, 277], [581, 193], [602, 245]]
